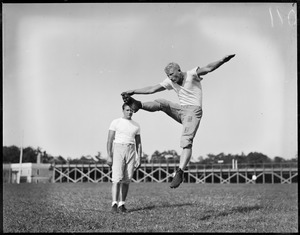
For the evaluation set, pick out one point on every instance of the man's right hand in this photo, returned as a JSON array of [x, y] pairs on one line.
[[130, 93], [137, 164], [109, 161], [228, 57]]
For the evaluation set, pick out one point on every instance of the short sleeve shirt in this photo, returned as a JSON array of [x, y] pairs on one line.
[[190, 92], [125, 129]]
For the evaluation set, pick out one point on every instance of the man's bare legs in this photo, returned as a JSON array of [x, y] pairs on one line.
[[185, 157], [119, 194], [115, 191], [123, 191], [123, 194], [170, 108]]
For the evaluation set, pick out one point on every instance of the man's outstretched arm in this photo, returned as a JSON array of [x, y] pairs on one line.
[[146, 90], [214, 65]]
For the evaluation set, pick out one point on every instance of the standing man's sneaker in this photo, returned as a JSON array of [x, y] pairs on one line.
[[122, 209], [177, 180], [135, 105], [114, 208]]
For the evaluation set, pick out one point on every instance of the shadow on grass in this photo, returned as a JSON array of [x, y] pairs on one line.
[[211, 213], [239, 209], [151, 207]]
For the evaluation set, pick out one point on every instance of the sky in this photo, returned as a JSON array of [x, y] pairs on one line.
[[66, 64]]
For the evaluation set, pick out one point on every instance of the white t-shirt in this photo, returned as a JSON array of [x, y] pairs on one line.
[[190, 92], [125, 129]]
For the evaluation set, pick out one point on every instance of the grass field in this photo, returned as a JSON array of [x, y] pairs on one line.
[[153, 207]]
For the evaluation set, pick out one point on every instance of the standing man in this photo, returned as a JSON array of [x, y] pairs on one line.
[[188, 112], [123, 142]]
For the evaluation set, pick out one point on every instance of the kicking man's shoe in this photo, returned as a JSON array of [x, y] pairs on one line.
[[177, 180], [135, 105], [122, 209], [114, 208], [125, 97]]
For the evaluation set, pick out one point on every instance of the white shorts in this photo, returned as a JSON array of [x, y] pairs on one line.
[[123, 163]]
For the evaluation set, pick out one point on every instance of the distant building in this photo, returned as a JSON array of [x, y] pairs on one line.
[[30, 173]]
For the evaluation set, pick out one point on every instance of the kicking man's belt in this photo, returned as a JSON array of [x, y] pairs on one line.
[[125, 144]]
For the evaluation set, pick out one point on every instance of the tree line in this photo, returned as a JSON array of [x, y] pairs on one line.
[[11, 154]]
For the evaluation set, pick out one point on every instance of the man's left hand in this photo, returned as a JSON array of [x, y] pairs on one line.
[[137, 164], [228, 57], [109, 161]]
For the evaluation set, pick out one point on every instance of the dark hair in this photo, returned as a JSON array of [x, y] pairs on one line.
[[123, 106]]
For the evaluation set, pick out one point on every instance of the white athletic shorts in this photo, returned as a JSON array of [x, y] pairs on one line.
[[123, 162]]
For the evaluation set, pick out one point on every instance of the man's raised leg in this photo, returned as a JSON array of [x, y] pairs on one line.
[[135, 105], [169, 108]]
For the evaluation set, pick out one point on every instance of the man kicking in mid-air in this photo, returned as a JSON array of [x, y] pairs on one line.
[[188, 112]]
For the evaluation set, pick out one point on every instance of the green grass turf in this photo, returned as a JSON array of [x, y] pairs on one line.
[[153, 207]]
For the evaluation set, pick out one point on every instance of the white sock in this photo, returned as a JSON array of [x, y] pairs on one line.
[[121, 203], [114, 202]]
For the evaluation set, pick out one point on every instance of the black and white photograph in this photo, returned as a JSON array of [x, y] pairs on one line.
[[150, 117]]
